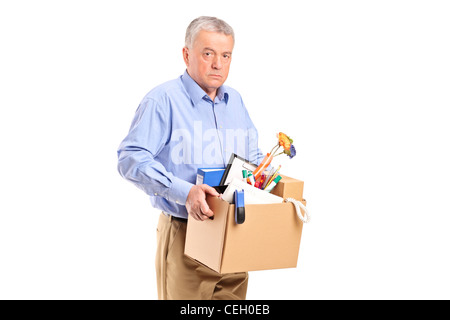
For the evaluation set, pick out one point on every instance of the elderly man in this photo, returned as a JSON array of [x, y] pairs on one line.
[[189, 123]]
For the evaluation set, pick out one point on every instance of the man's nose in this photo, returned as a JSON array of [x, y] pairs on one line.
[[217, 62]]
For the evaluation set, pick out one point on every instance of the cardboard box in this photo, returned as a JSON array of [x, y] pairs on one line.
[[289, 188], [268, 239]]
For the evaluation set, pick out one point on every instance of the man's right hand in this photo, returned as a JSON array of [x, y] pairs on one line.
[[196, 202]]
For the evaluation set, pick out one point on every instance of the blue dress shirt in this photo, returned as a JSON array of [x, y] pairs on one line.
[[177, 129]]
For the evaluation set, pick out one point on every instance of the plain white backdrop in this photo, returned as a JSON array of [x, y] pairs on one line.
[[361, 86]]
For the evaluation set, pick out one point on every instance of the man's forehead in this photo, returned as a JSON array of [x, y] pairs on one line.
[[210, 39]]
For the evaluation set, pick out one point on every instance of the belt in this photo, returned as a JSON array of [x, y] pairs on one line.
[[171, 217]]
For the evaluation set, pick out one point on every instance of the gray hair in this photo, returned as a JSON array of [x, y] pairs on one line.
[[208, 24]]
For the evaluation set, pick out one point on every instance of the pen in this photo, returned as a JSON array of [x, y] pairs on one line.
[[258, 182], [274, 176], [261, 181], [252, 178], [245, 176], [273, 184], [266, 180]]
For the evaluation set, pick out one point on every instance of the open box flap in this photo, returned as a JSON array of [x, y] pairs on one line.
[[206, 237]]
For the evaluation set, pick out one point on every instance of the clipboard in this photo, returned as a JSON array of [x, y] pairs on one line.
[[234, 169]]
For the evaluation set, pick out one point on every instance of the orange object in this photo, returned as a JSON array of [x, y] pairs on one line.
[[284, 141], [268, 239], [264, 164]]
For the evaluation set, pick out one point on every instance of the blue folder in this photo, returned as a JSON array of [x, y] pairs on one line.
[[210, 176]]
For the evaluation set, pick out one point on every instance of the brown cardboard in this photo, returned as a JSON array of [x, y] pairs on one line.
[[206, 238], [289, 188], [268, 239]]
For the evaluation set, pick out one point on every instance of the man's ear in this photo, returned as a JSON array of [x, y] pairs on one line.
[[186, 56]]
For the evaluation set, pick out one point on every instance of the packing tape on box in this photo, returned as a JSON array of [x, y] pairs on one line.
[[298, 206]]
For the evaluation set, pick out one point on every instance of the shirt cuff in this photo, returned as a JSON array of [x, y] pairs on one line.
[[179, 191]]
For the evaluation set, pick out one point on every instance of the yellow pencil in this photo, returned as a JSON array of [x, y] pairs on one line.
[[273, 176]]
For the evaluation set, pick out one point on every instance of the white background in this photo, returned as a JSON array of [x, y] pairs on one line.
[[361, 86]]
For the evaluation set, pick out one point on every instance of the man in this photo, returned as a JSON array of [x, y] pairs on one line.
[[182, 125]]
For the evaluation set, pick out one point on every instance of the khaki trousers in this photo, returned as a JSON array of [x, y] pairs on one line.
[[181, 278]]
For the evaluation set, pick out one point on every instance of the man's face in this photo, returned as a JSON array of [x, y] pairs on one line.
[[208, 61]]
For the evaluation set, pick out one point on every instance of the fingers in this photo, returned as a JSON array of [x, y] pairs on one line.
[[206, 211], [202, 211], [201, 214], [210, 190], [196, 216], [196, 203]]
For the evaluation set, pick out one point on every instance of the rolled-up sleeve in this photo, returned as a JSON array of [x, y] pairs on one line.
[[149, 132]]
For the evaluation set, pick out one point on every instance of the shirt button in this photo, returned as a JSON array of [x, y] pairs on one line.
[[177, 202], [156, 194]]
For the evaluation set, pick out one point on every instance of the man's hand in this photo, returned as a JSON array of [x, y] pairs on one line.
[[196, 202]]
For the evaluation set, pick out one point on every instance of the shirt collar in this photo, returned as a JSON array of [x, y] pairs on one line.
[[222, 94], [196, 93]]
